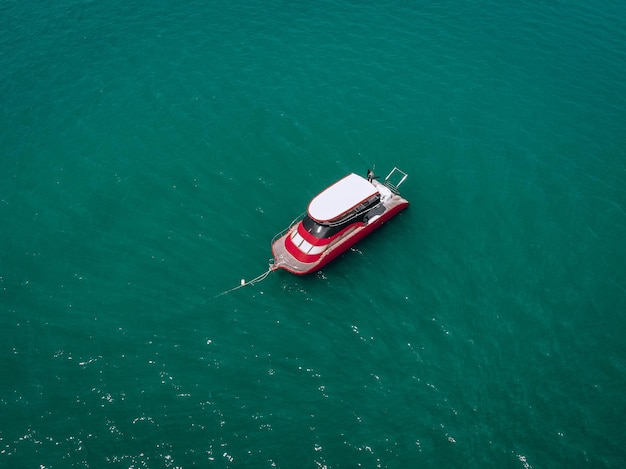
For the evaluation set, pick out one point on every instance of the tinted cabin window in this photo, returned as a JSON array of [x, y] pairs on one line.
[[326, 230]]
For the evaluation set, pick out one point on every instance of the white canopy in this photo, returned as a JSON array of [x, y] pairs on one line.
[[341, 197]]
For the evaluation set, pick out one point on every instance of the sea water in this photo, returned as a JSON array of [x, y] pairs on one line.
[[151, 150]]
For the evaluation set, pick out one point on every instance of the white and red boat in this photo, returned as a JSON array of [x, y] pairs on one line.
[[336, 218]]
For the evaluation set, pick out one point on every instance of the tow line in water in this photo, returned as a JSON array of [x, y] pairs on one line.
[[243, 283]]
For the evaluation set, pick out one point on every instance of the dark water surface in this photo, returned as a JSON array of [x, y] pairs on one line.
[[150, 151]]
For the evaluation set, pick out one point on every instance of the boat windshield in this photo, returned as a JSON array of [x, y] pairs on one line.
[[328, 229], [319, 230]]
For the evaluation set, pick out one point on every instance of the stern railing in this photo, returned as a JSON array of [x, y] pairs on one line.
[[395, 179]]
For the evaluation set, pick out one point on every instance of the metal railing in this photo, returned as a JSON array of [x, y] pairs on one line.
[[394, 179], [279, 234]]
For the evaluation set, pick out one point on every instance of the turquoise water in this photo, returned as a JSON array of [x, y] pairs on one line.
[[151, 150]]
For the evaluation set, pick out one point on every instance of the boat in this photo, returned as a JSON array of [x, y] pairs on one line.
[[337, 218]]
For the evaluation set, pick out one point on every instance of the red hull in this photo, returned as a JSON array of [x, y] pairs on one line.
[[336, 250]]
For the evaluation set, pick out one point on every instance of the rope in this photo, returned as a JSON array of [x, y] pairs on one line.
[[257, 279]]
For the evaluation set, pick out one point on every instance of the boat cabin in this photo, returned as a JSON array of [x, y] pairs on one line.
[[344, 199]]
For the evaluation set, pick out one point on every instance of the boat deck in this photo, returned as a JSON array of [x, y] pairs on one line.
[[284, 260]]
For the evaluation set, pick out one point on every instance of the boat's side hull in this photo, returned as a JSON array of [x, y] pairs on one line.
[[284, 260]]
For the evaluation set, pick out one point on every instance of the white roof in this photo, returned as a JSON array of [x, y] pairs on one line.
[[341, 197]]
